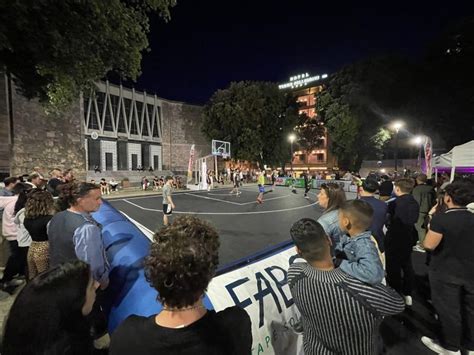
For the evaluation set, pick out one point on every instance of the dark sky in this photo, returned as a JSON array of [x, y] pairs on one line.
[[207, 44]]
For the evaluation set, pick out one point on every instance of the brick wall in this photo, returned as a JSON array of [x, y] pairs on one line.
[[183, 121], [45, 140]]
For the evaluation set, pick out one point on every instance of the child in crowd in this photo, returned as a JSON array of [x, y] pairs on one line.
[[357, 253]]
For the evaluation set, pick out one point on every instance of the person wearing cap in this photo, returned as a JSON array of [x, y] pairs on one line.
[[367, 192]]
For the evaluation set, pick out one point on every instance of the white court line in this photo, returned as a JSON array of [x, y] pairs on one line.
[[240, 203], [214, 199], [223, 213], [148, 232]]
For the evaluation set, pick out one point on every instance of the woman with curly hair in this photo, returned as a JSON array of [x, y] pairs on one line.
[[182, 261], [48, 315], [39, 210]]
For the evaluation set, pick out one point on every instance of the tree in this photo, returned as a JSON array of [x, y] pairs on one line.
[[360, 99], [255, 117], [54, 49], [311, 133]]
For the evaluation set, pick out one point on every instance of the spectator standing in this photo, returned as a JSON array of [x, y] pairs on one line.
[[36, 181], [400, 238], [74, 234], [367, 193], [425, 195], [386, 188], [451, 270], [54, 182], [340, 314], [9, 183], [39, 210], [183, 259], [48, 315], [331, 198], [15, 264]]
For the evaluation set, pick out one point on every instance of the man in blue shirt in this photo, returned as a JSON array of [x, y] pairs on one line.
[[369, 188]]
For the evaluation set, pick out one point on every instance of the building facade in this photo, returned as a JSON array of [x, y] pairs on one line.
[[305, 89], [111, 129]]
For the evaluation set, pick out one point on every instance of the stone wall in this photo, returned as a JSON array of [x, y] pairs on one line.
[[44, 140], [4, 128], [182, 122]]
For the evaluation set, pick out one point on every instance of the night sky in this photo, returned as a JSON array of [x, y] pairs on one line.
[[208, 44]]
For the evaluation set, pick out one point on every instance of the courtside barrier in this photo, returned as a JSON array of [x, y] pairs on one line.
[[257, 284]]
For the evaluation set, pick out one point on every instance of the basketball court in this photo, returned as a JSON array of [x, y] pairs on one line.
[[244, 226]]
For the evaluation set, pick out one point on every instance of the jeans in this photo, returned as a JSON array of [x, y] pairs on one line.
[[454, 303]]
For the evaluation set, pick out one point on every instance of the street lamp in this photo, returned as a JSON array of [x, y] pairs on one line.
[[292, 138], [418, 141], [396, 126]]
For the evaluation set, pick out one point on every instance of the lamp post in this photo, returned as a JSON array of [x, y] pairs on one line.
[[292, 138], [396, 125]]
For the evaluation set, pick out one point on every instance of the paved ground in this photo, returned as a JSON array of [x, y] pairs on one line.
[[246, 228]]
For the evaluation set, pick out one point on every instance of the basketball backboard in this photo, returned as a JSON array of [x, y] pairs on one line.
[[221, 148]]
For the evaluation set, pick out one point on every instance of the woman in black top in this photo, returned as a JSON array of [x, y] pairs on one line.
[[39, 210], [48, 315], [182, 261]]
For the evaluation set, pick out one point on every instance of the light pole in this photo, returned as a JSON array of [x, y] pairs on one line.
[[292, 138], [396, 125]]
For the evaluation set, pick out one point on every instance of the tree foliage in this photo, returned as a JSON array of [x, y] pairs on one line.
[[54, 49], [359, 101], [310, 133], [255, 117]]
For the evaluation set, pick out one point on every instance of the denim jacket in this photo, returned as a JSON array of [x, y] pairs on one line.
[[363, 260], [330, 223]]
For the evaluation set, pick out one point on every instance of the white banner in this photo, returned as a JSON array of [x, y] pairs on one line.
[[203, 175], [262, 290], [190, 164], [428, 148]]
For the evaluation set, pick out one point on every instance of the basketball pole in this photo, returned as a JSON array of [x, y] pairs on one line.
[[215, 166]]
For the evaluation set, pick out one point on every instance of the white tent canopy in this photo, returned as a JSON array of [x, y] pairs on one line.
[[461, 156]]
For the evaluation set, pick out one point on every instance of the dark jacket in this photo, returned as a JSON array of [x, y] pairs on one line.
[[402, 216]]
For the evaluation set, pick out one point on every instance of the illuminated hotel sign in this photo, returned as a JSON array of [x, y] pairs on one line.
[[301, 80]]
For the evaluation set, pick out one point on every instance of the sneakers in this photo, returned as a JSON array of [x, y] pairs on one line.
[[419, 248], [408, 300], [438, 349], [14, 283]]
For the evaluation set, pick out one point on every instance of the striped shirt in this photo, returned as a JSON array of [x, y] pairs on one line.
[[339, 314]]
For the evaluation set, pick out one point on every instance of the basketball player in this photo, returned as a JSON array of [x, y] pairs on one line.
[[236, 182], [261, 186], [168, 205]]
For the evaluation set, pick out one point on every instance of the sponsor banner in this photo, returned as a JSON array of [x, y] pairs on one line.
[[428, 148], [190, 164], [262, 290], [281, 181], [346, 185]]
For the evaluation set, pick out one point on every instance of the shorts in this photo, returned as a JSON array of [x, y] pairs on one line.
[[167, 210], [261, 188]]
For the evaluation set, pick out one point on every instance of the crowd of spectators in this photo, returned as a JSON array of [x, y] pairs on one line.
[[354, 269]]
